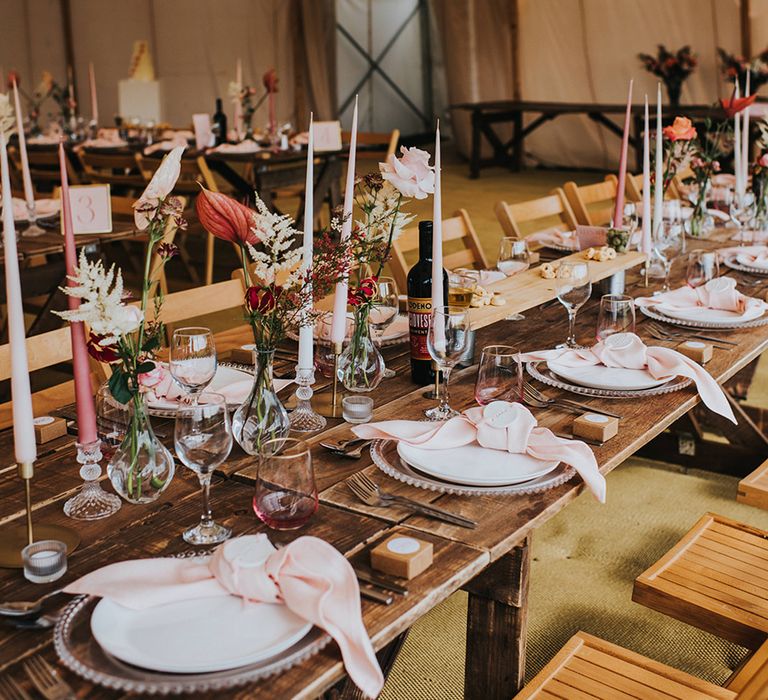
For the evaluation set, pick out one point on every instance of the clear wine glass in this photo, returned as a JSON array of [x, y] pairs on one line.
[[499, 375], [631, 220], [573, 288], [386, 305], [285, 497], [192, 359], [514, 256], [461, 287], [202, 437], [703, 266], [743, 208], [446, 341], [668, 244], [616, 315]]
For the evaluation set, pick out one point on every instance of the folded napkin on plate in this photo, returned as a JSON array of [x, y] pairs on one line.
[[554, 236], [309, 576], [246, 146], [484, 277], [186, 134], [43, 208], [629, 351], [301, 139], [105, 143], [500, 425], [168, 145], [44, 140], [757, 254], [719, 293]]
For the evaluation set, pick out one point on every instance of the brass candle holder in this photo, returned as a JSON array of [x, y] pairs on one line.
[[329, 404], [15, 538]]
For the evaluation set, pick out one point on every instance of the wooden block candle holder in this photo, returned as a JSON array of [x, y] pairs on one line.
[[49, 428], [695, 349], [595, 426], [402, 556]]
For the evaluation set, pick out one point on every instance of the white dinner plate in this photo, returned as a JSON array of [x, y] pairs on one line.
[[602, 377], [473, 465], [703, 314], [748, 261], [196, 636]]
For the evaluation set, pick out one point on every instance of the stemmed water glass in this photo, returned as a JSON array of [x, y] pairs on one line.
[[285, 497], [192, 359], [573, 288], [446, 341], [384, 311], [203, 439], [668, 244], [514, 256], [703, 266], [616, 315], [631, 220], [742, 212], [499, 375]]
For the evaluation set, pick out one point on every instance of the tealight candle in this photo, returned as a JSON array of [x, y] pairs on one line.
[[357, 409], [44, 561]]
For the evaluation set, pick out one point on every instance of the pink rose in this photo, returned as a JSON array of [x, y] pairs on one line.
[[763, 162], [411, 174], [153, 378], [159, 384]]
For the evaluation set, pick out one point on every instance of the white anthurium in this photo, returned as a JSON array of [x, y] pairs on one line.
[[7, 116], [159, 187]]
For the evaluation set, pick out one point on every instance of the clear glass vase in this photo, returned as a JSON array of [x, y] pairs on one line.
[[361, 366], [142, 467], [261, 416]]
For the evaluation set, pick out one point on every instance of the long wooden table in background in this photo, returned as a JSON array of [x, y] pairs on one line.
[[491, 562]]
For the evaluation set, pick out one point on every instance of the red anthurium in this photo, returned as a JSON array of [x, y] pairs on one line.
[[270, 80], [734, 105], [225, 217]]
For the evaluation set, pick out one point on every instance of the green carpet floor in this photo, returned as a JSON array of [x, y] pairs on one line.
[[584, 563]]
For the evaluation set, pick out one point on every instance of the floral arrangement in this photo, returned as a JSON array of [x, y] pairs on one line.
[[120, 333], [735, 69], [679, 142], [41, 93], [759, 171], [244, 95], [673, 67]]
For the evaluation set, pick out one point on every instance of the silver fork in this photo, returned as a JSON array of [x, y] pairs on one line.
[[683, 335], [533, 395], [352, 453], [47, 680], [370, 494], [11, 690], [657, 335]]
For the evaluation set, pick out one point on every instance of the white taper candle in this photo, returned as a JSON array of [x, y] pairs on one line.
[[306, 331], [658, 187], [29, 192], [646, 241]]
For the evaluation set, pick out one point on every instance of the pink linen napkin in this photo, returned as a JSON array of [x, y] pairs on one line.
[[501, 425], [43, 208], [168, 145], [246, 146], [554, 236], [757, 254], [629, 351], [309, 576], [719, 293]]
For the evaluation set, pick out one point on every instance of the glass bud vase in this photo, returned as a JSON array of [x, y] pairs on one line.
[[361, 366], [261, 416], [142, 467]]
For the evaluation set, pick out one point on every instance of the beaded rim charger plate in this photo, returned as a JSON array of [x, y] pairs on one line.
[[385, 456], [540, 371], [734, 264], [720, 325]]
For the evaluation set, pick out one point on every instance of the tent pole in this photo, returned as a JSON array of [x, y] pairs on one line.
[[746, 29]]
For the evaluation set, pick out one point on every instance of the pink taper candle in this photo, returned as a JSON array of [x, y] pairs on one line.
[[339, 319], [25, 449], [94, 98], [29, 192], [618, 213], [238, 116], [86, 413]]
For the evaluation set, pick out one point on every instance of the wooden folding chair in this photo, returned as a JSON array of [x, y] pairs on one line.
[[714, 578], [44, 167], [376, 145], [545, 213], [592, 204], [43, 351], [633, 186], [589, 668], [121, 170], [457, 228], [753, 489]]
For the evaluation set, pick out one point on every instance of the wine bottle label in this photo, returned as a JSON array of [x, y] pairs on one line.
[[419, 311]]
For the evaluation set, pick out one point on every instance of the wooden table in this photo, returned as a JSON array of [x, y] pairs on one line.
[[491, 562], [509, 154]]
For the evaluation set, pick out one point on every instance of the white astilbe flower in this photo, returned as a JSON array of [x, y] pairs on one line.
[[383, 215], [101, 302], [277, 240], [7, 116]]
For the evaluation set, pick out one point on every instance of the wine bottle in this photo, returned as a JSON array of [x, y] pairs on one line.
[[219, 125], [420, 307]]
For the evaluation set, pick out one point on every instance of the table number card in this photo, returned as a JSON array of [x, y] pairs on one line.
[[91, 208], [327, 136], [204, 137]]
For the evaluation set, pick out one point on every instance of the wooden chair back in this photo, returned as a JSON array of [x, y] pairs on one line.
[[44, 167], [457, 228], [592, 204], [525, 218], [378, 145], [119, 169], [43, 351], [633, 186]]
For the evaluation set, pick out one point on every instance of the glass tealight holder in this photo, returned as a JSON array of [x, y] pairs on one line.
[[44, 561], [357, 409]]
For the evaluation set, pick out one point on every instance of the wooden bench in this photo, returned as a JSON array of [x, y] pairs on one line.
[[589, 668], [753, 489], [715, 578]]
